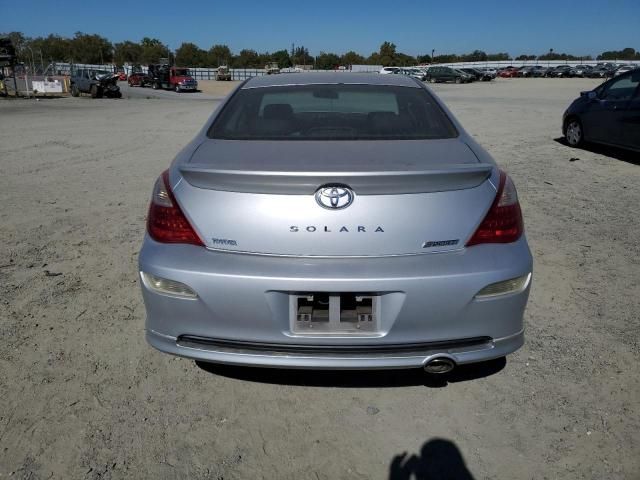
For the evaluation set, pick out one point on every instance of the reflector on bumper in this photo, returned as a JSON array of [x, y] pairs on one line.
[[513, 285], [167, 287]]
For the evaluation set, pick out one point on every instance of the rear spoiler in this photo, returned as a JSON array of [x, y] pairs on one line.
[[448, 177]]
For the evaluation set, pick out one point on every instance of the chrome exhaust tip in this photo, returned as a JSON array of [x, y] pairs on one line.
[[439, 365]]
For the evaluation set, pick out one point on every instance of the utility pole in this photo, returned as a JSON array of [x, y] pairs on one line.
[[33, 63], [15, 82], [26, 77]]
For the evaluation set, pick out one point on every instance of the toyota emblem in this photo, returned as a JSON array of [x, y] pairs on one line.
[[334, 197]]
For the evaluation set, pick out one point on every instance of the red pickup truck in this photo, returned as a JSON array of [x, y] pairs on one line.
[[172, 78]]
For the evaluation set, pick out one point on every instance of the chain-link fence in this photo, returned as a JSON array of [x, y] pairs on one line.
[[201, 73], [27, 85]]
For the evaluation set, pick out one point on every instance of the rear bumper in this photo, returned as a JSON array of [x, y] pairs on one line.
[[428, 309], [279, 356]]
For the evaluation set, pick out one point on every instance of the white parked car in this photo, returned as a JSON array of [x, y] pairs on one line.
[[624, 69], [388, 70], [415, 73], [489, 70]]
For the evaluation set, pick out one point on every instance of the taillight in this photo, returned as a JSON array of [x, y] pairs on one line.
[[166, 223], [503, 223]]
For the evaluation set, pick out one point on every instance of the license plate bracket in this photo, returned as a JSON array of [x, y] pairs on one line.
[[334, 313]]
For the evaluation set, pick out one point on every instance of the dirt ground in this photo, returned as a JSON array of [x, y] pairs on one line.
[[211, 87], [83, 396], [207, 90]]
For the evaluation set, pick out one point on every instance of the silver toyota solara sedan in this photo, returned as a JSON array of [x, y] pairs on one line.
[[338, 221]]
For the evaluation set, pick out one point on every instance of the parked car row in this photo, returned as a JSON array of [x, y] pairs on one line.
[[480, 74], [437, 73], [442, 73], [601, 70]]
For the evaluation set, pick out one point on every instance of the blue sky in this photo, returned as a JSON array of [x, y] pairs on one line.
[[579, 27]]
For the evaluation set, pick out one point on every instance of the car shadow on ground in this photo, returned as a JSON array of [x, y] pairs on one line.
[[612, 152], [439, 459], [356, 378]]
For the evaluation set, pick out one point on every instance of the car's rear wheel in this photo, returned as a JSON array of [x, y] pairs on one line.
[[95, 91], [573, 132], [74, 91]]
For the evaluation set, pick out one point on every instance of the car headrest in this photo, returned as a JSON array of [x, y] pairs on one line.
[[382, 116], [278, 111], [388, 122]]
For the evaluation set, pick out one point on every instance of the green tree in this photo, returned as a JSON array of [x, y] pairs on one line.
[[526, 57], [53, 48], [475, 56], [387, 54], [247, 59], [446, 58], [404, 60], [624, 54], [498, 57], [352, 58], [88, 48], [127, 52], [153, 50], [18, 40], [557, 56], [264, 58], [220, 55], [282, 58], [327, 61], [373, 59], [301, 56], [424, 59], [190, 55]]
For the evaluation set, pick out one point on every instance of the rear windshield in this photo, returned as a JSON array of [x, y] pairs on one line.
[[332, 112]]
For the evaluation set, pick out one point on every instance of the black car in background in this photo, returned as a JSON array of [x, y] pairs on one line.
[[561, 71], [477, 75], [609, 114], [598, 72], [539, 71], [581, 70], [601, 71], [526, 71], [447, 74]]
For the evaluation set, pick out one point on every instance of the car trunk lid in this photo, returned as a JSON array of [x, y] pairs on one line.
[[409, 196]]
